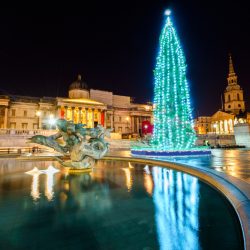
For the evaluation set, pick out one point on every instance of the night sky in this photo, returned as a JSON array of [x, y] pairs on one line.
[[113, 44]]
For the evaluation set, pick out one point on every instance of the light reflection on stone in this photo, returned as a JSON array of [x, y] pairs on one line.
[[176, 205]]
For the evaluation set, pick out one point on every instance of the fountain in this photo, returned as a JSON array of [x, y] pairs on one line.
[[82, 145]]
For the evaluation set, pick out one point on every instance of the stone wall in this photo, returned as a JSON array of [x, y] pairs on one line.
[[213, 139], [10, 140], [19, 141], [242, 134]]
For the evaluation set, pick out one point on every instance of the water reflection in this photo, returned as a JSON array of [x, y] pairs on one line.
[[95, 210], [232, 162], [35, 172], [176, 199], [129, 180], [148, 181], [49, 183]]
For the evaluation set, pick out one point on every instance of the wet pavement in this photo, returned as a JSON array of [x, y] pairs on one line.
[[235, 162]]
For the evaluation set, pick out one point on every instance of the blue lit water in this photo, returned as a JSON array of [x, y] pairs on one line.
[[117, 206]]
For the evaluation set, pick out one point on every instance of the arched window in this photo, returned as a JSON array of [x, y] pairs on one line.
[[238, 97], [229, 106], [229, 98], [239, 105]]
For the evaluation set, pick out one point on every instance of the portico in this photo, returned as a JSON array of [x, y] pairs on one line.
[[85, 111]]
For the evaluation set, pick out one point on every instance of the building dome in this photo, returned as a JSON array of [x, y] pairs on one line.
[[78, 89], [78, 84]]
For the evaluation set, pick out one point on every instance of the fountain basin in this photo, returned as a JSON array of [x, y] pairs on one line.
[[121, 204]]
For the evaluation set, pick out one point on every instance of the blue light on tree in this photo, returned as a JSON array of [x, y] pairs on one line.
[[173, 121]]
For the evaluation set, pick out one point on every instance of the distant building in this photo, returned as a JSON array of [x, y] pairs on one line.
[[233, 112], [90, 107], [234, 100], [203, 125]]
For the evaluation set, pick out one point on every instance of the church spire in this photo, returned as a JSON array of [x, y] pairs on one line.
[[231, 66]]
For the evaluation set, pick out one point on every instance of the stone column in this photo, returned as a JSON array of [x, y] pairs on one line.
[[79, 115], [87, 113], [112, 121], [59, 108], [40, 121], [66, 112], [72, 113], [99, 116], [105, 118], [220, 127], [137, 124], [93, 117], [132, 124], [6, 117]]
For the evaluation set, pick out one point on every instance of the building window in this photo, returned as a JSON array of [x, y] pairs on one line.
[[120, 119], [238, 97], [35, 126], [13, 112], [24, 125], [25, 113], [13, 125], [229, 98], [229, 106], [239, 105], [120, 129], [108, 117]]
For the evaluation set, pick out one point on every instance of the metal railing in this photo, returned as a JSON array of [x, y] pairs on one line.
[[25, 132], [19, 151]]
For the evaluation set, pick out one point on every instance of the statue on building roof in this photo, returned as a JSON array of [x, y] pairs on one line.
[[78, 83]]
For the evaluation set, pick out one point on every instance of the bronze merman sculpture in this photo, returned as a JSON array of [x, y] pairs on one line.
[[83, 145]]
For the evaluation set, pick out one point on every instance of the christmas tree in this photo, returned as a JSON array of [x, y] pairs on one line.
[[173, 122]]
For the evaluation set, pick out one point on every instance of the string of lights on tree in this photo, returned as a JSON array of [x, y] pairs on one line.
[[173, 121]]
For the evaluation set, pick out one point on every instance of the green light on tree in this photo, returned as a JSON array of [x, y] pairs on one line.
[[173, 121]]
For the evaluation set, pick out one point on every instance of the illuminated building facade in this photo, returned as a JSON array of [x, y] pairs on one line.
[[90, 107], [233, 112]]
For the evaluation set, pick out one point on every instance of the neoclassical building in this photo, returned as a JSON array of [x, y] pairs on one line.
[[233, 112], [83, 105]]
